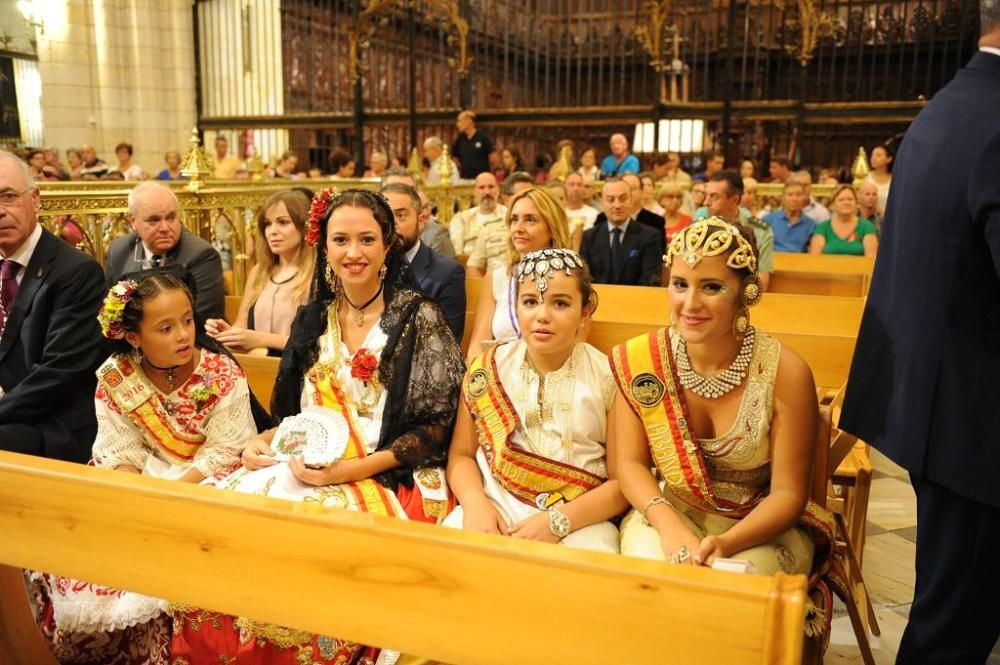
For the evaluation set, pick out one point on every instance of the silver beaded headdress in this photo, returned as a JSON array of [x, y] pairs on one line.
[[539, 265]]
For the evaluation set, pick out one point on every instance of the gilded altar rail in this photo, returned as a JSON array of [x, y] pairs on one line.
[[220, 211], [223, 211]]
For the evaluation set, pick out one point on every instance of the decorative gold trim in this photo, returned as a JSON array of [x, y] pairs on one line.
[[811, 24], [367, 21]]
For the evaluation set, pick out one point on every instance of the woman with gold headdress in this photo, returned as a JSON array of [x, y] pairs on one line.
[[727, 418], [531, 453]]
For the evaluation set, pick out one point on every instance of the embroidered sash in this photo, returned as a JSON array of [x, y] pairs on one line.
[[370, 496], [130, 390], [647, 377], [535, 480]]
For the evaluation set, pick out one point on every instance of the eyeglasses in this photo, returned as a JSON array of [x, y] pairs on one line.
[[10, 198]]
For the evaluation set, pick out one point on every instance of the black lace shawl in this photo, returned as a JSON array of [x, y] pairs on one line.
[[421, 368]]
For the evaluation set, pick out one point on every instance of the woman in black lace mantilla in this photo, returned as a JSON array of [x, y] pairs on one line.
[[371, 352]]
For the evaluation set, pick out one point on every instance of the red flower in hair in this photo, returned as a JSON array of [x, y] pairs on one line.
[[363, 365], [316, 211]]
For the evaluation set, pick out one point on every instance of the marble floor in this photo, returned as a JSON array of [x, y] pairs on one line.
[[888, 567]]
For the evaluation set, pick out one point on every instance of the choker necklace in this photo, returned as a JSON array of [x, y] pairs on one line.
[[171, 377], [284, 281], [713, 387], [359, 312]]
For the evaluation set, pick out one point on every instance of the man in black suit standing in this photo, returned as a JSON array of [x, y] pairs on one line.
[[618, 249], [50, 341], [158, 239], [441, 278], [924, 385]]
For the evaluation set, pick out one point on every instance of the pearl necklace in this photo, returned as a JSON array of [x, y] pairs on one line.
[[713, 387]]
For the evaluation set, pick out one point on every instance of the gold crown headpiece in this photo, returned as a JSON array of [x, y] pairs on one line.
[[539, 265], [712, 236]]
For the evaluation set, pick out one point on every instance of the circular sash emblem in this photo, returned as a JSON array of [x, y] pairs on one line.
[[478, 383], [647, 389]]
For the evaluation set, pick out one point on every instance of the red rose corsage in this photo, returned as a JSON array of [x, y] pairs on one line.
[[316, 211], [364, 365]]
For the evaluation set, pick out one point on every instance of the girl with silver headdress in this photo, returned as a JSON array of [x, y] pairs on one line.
[[530, 455]]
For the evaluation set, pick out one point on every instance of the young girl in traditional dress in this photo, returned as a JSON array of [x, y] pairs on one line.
[[170, 404], [531, 451]]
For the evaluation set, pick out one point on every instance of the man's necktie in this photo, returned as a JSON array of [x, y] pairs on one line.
[[616, 251], [157, 260], [8, 290]]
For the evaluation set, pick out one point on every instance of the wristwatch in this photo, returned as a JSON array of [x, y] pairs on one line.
[[559, 524]]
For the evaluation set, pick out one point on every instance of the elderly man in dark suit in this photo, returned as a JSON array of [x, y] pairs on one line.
[[439, 277], [640, 214], [50, 341], [924, 385], [618, 249], [158, 238]]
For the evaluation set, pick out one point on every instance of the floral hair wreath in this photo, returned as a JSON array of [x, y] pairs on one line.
[[320, 202], [110, 316]]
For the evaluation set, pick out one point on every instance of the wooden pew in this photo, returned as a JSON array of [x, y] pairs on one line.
[[421, 589], [826, 274], [232, 308], [261, 372]]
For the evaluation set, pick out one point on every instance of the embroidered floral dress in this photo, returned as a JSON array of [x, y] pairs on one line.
[[204, 424]]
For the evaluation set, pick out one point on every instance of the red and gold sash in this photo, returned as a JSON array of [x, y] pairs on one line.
[[130, 390], [647, 377], [535, 480], [370, 495]]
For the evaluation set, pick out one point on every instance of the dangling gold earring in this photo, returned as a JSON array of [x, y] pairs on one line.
[[751, 291], [741, 324], [331, 279], [673, 320], [382, 271]]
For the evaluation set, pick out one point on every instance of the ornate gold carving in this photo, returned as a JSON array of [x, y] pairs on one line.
[[446, 167], [365, 25], [100, 210], [256, 166], [811, 24], [860, 169], [414, 166], [661, 41], [197, 167]]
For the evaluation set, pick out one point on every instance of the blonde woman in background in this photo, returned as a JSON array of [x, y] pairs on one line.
[[277, 284], [535, 221]]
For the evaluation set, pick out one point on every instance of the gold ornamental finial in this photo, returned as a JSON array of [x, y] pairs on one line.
[[446, 167], [256, 166], [197, 167], [860, 169], [415, 165], [564, 165]]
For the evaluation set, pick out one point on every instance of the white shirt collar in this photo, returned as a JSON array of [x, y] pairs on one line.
[[23, 255], [623, 226], [413, 251], [990, 49]]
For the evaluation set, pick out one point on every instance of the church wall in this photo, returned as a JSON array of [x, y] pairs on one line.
[[118, 71]]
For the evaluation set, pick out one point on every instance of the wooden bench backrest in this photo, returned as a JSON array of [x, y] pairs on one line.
[[261, 372], [232, 308], [444, 594], [821, 275]]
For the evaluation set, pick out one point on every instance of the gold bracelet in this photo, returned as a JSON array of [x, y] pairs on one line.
[[655, 500]]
